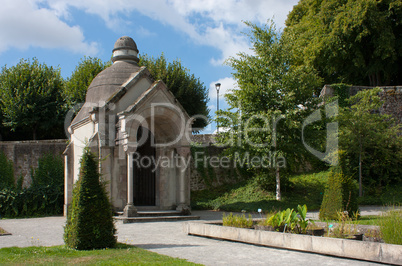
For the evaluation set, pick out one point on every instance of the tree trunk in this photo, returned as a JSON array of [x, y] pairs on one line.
[[34, 129], [360, 171], [375, 79], [378, 79], [278, 184]]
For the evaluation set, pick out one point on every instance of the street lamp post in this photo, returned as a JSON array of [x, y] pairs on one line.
[[217, 87]]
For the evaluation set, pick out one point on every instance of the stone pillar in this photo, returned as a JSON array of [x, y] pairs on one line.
[[68, 176], [66, 187], [130, 210], [183, 171]]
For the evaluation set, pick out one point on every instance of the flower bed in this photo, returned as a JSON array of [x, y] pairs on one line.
[[362, 250]]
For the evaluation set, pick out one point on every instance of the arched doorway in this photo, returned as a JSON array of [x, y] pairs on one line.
[[144, 169]]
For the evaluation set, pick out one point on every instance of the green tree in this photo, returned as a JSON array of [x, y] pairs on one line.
[[89, 220], [31, 99], [370, 140], [75, 88], [189, 90], [350, 41], [267, 110]]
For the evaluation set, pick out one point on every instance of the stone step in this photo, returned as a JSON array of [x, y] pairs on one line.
[[159, 213], [142, 219], [156, 213]]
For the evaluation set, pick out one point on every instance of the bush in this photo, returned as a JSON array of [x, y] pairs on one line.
[[50, 171], [332, 200], [350, 189], [31, 202], [237, 220], [341, 194], [90, 219], [44, 197], [6, 172], [391, 226]]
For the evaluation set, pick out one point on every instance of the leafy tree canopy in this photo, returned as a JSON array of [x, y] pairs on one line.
[[31, 99], [351, 41], [370, 141], [273, 97], [76, 86], [189, 90]]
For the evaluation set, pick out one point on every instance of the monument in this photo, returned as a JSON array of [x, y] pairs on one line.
[[141, 134]]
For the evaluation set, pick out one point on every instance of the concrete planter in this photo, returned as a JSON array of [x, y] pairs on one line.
[[362, 250]]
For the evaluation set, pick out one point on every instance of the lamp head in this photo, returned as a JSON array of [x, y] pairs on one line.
[[217, 86]]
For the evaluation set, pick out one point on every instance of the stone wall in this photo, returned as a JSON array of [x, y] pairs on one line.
[[26, 154], [204, 175], [392, 96]]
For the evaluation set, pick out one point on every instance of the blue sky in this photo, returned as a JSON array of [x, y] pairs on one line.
[[201, 33]]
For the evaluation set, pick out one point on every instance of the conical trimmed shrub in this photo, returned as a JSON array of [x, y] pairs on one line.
[[90, 219], [332, 200]]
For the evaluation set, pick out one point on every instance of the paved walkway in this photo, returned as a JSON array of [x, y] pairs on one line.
[[169, 238]]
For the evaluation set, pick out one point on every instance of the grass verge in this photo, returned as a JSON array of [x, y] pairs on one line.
[[121, 255], [297, 189], [247, 195], [391, 226]]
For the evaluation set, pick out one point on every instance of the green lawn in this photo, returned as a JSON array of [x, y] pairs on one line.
[[369, 220], [121, 255]]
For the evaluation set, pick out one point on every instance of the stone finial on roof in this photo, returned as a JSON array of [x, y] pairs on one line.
[[125, 49]]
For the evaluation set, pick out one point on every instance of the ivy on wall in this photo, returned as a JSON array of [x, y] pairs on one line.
[[31, 202], [206, 161], [341, 91], [45, 196], [203, 166], [6, 172]]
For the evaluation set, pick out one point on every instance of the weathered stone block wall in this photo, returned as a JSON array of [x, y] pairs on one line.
[[393, 102], [215, 175], [392, 96], [26, 154]]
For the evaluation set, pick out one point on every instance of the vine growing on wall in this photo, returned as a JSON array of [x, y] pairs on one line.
[[44, 197], [204, 168], [341, 91], [6, 172]]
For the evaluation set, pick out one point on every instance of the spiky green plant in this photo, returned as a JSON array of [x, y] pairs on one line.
[[391, 226]]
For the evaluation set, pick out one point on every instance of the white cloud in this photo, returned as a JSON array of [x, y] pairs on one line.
[[226, 21], [24, 24], [145, 32], [206, 22], [236, 11]]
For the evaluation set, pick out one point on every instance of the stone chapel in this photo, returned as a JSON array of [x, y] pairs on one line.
[[141, 134]]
